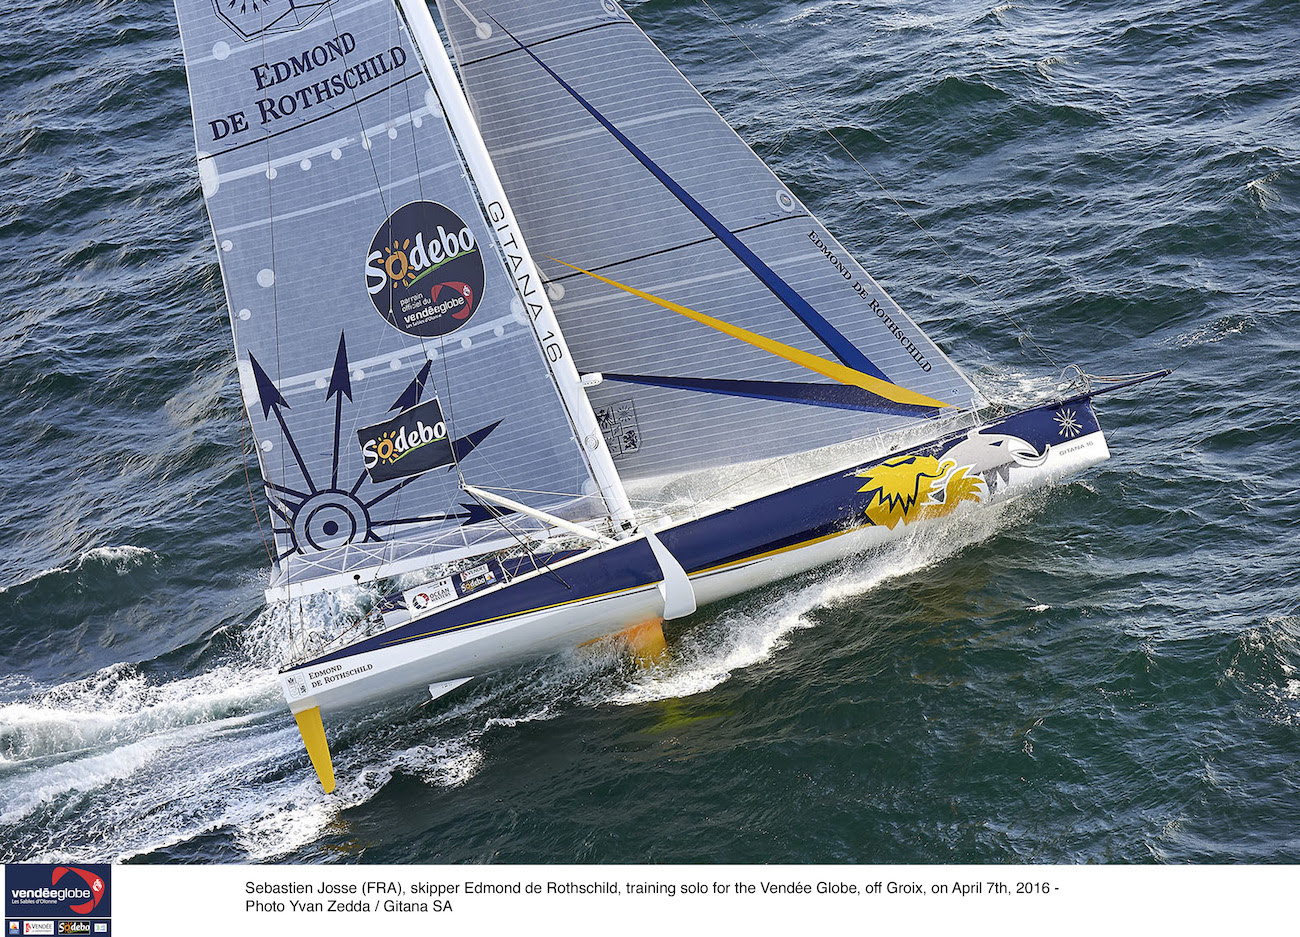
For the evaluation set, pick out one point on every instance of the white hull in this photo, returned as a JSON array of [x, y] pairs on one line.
[[483, 648]]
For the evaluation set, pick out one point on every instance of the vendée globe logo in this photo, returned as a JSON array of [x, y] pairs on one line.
[[70, 889], [424, 270]]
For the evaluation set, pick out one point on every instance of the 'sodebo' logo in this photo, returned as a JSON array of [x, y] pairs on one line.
[[424, 270], [410, 443]]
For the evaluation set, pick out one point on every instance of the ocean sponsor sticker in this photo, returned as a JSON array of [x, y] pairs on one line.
[[430, 595], [38, 927], [47, 890], [74, 927], [410, 443], [424, 270]]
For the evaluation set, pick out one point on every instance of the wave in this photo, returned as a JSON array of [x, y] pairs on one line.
[[212, 757], [1259, 660], [762, 623], [119, 704], [1224, 327], [118, 560]]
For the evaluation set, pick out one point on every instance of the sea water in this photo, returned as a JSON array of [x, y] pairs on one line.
[[1106, 671]]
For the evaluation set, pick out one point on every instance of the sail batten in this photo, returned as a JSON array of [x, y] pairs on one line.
[[395, 185]]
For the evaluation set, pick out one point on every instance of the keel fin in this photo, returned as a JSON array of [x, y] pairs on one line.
[[646, 641], [313, 736]]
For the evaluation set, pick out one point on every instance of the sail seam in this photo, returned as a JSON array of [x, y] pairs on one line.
[[658, 118], [676, 247], [539, 42]]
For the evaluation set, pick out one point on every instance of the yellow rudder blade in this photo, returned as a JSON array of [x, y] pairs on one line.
[[313, 736]]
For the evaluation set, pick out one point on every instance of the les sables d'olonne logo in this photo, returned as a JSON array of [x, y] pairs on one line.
[[424, 270], [410, 443]]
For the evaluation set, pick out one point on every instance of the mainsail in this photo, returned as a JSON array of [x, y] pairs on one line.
[[383, 350], [618, 167]]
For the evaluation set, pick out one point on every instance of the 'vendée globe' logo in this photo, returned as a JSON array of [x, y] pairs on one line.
[[424, 270]]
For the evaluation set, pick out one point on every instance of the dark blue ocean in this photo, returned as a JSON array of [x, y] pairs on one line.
[[1108, 671]]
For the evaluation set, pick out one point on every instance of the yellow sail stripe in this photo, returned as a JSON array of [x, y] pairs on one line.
[[831, 369]]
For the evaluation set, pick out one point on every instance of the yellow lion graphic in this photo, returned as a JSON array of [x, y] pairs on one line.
[[917, 487]]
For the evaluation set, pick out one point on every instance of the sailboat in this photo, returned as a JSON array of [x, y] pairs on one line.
[[537, 343]]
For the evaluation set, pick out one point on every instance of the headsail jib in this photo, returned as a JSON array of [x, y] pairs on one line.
[[593, 127]]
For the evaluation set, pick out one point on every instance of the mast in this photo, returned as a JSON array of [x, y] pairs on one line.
[[527, 277]]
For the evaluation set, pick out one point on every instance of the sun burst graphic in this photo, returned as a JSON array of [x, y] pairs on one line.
[[1068, 423], [313, 515]]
